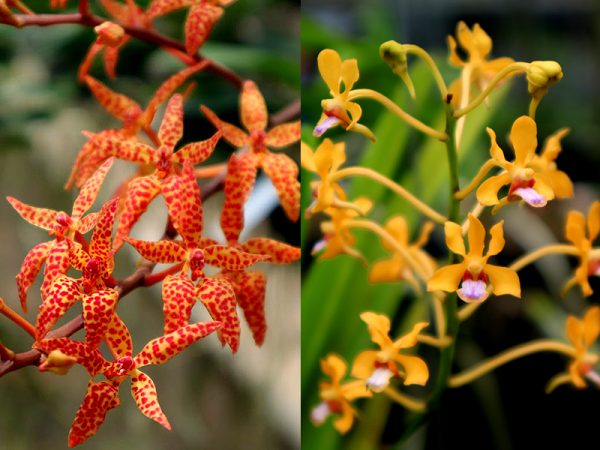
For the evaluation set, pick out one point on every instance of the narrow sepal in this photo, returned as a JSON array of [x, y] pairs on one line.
[[279, 252], [146, 398], [241, 174], [118, 338], [219, 299], [61, 295], [86, 356], [31, 266], [179, 297], [40, 217], [283, 172], [249, 290], [89, 190], [98, 308], [230, 258], [162, 251]]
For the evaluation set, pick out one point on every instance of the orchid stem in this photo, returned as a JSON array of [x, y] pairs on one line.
[[389, 104], [6, 354], [465, 91], [376, 176], [405, 400], [514, 67], [483, 368], [467, 311], [433, 341], [157, 277], [435, 71], [16, 318], [527, 259]]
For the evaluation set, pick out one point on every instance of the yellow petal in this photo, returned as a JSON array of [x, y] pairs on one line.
[[557, 380], [465, 37], [398, 228], [593, 220], [307, 158], [415, 368], [366, 132], [591, 325], [355, 112], [552, 145], [379, 328], [424, 235], [446, 278], [559, 182], [581, 274], [334, 367], [454, 238], [386, 271], [476, 236], [576, 378], [523, 137], [492, 67], [481, 41], [541, 187], [364, 364], [410, 339], [349, 74], [487, 193], [344, 422], [495, 151], [496, 240], [575, 228], [503, 280], [364, 204], [574, 331], [355, 389], [453, 58], [330, 64]]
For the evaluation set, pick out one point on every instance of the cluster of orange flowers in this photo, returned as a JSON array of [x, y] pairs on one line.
[[165, 169], [532, 178]]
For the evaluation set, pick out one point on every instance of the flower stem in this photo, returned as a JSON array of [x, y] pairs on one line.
[[514, 67], [465, 91], [528, 258], [433, 341], [421, 53], [6, 354], [16, 318], [389, 104], [157, 277], [483, 368], [405, 400], [483, 171], [376, 176], [383, 234]]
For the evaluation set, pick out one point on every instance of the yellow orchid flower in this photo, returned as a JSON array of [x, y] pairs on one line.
[[377, 367], [545, 166], [524, 182], [474, 274], [324, 161], [339, 76], [582, 334], [337, 238], [396, 268], [575, 231], [335, 396], [477, 45]]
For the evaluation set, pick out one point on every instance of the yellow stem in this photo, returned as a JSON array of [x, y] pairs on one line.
[[483, 368], [439, 314], [466, 311], [528, 258], [514, 67], [376, 176], [389, 104], [483, 171], [421, 53], [340, 204], [533, 104], [405, 400], [433, 341], [383, 234], [465, 91]]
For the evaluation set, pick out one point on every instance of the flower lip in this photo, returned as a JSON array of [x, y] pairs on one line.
[[320, 413], [329, 122], [379, 379], [473, 289], [531, 197]]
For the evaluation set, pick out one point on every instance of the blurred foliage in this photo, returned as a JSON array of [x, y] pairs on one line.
[[507, 409]]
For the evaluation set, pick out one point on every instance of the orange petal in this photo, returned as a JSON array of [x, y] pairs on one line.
[[100, 244], [503, 280], [410, 339], [379, 328], [330, 64], [279, 252], [523, 136], [283, 135], [57, 263], [146, 398], [98, 308], [349, 73], [386, 271], [476, 236], [197, 152], [40, 217], [88, 222], [30, 268], [364, 364], [454, 238], [230, 258], [283, 172], [162, 7], [496, 240], [415, 368], [179, 297], [334, 367], [99, 399], [171, 127], [241, 174], [118, 338], [593, 220], [495, 151], [61, 295], [199, 23], [231, 133], [89, 191], [446, 278], [87, 356], [591, 325], [249, 290], [253, 110], [219, 299], [487, 193], [162, 349], [163, 251], [116, 144], [575, 228], [119, 105]]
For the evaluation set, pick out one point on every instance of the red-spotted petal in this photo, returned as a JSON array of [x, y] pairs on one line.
[[78, 257], [98, 308], [40, 217], [161, 349], [89, 191], [283, 172], [100, 245], [182, 196], [230, 258], [219, 299], [241, 174], [99, 399], [123, 147], [30, 268], [88, 222], [111, 57], [57, 263], [162, 7], [250, 293], [146, 398], [162, 251], [85, 65], [118, 338], [279, 252], [140, 192], [252, 107], [179, 297], [119, 105], [232, 134], [61, 295], [171, 127], [199, 23], [197, 152], [87, 356], [283, 135]]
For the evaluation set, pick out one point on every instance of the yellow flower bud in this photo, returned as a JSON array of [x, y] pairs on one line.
[[57, 362], [394, 54], [109, 34], [541, 75]]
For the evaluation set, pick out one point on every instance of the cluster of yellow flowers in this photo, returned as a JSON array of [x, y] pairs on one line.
[[531, 178]]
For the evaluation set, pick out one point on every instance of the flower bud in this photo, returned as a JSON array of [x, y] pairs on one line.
[[110, 34], [541, 75], [394, 54], [57, 362]]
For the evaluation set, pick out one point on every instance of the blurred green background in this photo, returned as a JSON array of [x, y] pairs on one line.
[[509, 409], [213, 399]]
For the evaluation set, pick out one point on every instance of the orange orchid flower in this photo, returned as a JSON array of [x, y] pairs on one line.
[[253, 154], [471, 278], [336, 397]]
